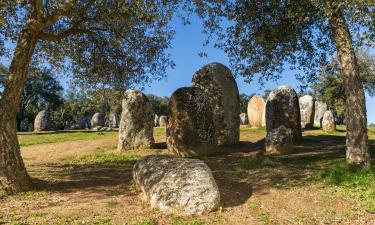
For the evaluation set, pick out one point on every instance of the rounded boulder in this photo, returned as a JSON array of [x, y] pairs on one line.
[[255, 109]]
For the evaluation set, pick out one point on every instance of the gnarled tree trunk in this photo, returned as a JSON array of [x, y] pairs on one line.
[[357, 153], [13, 174]]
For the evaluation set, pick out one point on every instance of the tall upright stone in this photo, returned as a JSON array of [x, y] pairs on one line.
[[283, 109], [243, 119], [255, 109], [264, 115], [42, 121], [217, 81], [163, 121], [113, 120], [98, 120], [328, 122], [306, 106], [320, 109], [156, 120], [137, 122], [190, 130]]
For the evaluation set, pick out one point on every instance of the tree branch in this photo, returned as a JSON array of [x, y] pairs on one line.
[[39, 10], [51, 19], [64, 34]]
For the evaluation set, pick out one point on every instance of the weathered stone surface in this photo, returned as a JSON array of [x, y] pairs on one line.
[[282, 108], [98, 120], [217, 82], [42, 121], [255, 109], [137, 122], [24, 126], [190, 130], [113, 120], [279, 141], [178, 186], [156, 121], [163, 121], [306, 106], [243, 119], [264, 115], [320, 109], [328, 122]]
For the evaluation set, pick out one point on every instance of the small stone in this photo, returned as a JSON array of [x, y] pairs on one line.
[[163, 121], [306, 105], [113, 120], [279, 141], [42, 121], [320, 109], [178, 186], [156, 121], [328, 122], [98, 120], [243, 119]]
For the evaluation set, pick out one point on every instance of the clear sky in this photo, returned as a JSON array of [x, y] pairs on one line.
[[187, 43]]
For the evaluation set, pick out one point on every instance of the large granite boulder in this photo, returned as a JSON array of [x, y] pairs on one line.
[[156, 120], [178, 186], [163, 121], [217, 81], [42, 121], [282, 108], [190, 130], [137, 122], [279, 141], [328, 122], [320, 109], [113, 120], [243, 119], [255, 109], [98, 120], [306, 106]]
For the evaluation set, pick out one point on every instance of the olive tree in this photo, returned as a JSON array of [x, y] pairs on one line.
[[117, 43]]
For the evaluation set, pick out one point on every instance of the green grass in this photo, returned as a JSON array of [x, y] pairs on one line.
[[181, 221], [30, 138], [147, 222], [353, 182]]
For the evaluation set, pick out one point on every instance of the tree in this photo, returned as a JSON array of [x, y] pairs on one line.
[[159, 104], [114, 43], [260, 37], [329, 86]]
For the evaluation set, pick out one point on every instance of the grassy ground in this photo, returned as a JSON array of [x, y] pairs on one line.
[[80, 178]]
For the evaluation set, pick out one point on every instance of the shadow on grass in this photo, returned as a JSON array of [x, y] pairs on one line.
[[63, 132]]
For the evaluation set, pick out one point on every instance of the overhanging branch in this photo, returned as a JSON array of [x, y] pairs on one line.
[[64, 34]]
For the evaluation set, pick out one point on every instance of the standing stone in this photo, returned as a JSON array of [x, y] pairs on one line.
[[190, 130], [113, 120], [137, 122], [243, 119], [42, 121], [255, 109], [279, 141], [328, 122], [264, 115], [283, 109], [320, 109], [178, 186], [24, 125], [306, 106], [156, 121], [98, 120], [218, 83], [163, 121]]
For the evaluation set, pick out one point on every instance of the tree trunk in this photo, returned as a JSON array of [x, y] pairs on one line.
[[357, 153], [13, 174]]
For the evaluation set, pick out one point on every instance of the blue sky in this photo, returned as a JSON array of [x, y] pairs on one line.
[[187, 43]]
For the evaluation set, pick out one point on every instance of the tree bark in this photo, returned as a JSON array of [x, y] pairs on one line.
[[357, 153], [13, 174]]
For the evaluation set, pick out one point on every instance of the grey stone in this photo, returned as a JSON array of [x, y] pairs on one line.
[[264, 115], [137, 122], [255, 109], [306, 106], [156, 121], [320, 109], [163, 121], [42, 121], [282, 108], [98, 119], [177, 186], [328, 122], [113, 120], [190, 130], [243, 119], [217, 81], [279, 141]]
